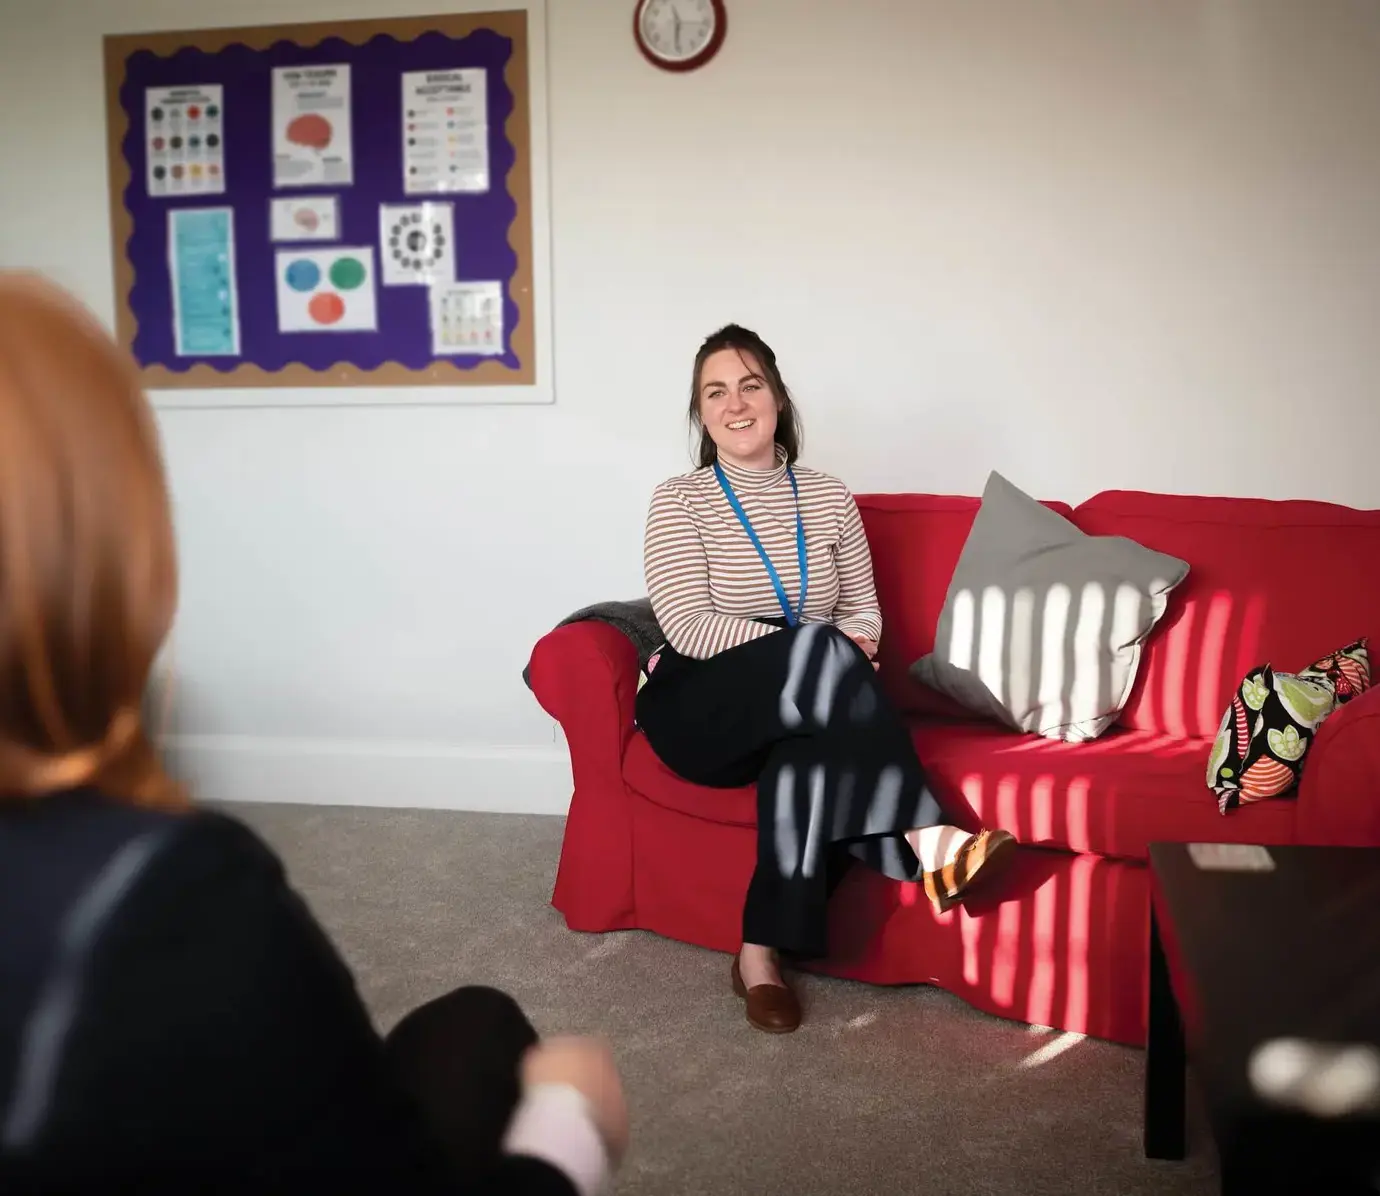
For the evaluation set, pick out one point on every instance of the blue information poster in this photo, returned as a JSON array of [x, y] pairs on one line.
[[201, 257]]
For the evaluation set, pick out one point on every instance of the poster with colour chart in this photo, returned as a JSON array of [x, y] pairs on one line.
[[185, 140]]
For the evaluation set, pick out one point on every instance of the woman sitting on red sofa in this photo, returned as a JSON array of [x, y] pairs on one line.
[[759, 573]]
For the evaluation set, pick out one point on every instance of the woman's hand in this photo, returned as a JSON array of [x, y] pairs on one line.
[[587, 1065], [869, 648]]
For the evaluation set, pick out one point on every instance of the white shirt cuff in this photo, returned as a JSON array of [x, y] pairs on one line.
[[553, 1123]]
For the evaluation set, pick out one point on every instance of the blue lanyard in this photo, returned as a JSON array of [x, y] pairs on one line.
[[793, 617]]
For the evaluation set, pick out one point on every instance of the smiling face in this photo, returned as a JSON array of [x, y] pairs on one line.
[[738, 409]]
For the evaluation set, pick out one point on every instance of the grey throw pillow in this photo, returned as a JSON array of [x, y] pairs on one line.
[[1043, 624]]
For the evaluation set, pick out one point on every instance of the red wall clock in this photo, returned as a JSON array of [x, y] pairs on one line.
[[679, 35]]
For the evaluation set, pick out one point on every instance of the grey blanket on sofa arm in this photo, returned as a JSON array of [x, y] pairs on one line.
[[634, 619]]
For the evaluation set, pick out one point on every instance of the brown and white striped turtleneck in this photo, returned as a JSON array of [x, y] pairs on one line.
[[706, 581]]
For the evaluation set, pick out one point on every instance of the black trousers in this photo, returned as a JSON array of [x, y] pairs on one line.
[[458, 1057], [801, 713]]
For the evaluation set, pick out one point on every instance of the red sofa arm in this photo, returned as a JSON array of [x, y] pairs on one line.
[[1339, 793], [585, 677]]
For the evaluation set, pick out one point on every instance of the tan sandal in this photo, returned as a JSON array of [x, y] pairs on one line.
[[984, 855]]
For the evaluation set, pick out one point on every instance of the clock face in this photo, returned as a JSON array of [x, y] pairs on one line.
[[677, 32]]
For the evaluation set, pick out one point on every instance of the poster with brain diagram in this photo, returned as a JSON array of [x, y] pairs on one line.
[[311, 126]]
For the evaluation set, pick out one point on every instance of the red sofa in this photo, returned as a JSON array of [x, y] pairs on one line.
[[1061, 940]]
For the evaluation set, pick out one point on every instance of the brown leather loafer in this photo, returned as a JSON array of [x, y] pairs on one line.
[[771, 1008], [984, 855]]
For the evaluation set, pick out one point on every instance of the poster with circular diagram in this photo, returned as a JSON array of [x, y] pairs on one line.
[[417, 242], [326, 290]]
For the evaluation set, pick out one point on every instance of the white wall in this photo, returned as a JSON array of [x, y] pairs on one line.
[[1092, 243]]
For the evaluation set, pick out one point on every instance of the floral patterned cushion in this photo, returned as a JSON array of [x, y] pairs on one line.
[[1348, 669], [1266, 731]]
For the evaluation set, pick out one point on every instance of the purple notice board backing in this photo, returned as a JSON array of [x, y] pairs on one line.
[[492, 230]]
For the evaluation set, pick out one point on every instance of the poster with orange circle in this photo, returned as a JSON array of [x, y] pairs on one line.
[[326, 290]]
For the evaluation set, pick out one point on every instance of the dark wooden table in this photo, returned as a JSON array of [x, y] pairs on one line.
[[1268, 984]]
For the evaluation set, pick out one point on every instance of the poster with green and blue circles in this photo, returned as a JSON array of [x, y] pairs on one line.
[[327, 290]]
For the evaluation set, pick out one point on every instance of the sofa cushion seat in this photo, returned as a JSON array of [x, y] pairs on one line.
[[644, 772], [1114, 796]]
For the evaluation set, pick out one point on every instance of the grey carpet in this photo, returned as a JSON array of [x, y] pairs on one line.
[[882, 1091]]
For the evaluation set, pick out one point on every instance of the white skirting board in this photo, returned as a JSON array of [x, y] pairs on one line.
[[403, 774]]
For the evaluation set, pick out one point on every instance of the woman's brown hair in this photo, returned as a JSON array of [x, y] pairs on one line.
[[790, 435], [88, 577]]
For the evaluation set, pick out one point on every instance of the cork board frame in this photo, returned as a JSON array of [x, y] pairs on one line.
[[439, 380]]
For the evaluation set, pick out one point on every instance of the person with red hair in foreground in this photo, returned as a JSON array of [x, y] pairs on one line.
[[172, 1018]]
